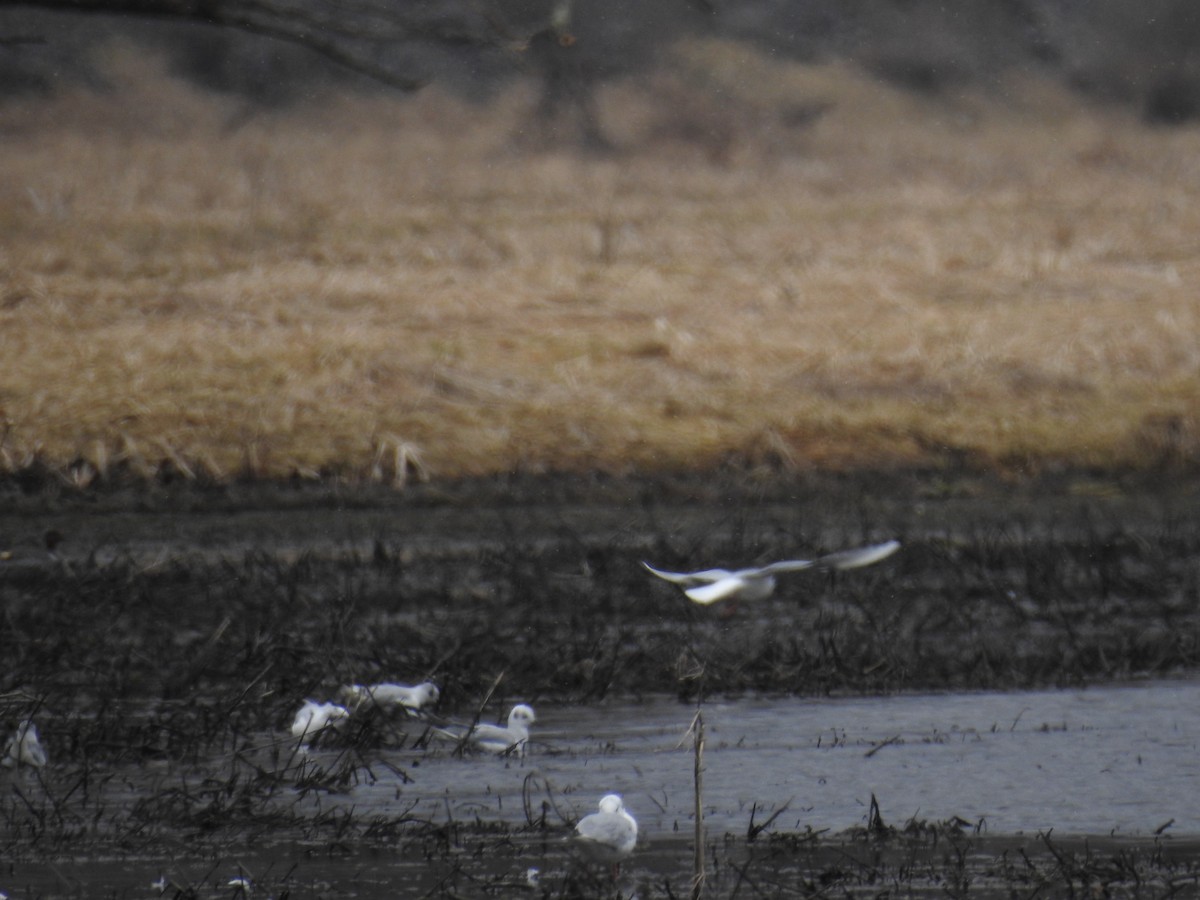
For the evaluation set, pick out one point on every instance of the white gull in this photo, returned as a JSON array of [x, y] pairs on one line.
[[712, 585], [389, 696], [499, 738], [314, 718], [608, 835], [24, 748]]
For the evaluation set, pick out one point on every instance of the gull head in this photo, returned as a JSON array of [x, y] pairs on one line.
[[425, 694], [521, 716], [611, 803]]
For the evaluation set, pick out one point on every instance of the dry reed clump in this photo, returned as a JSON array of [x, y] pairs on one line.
[[387, 288]]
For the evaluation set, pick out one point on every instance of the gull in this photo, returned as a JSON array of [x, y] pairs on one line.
[[608, 835], [712, 585], [500, 738], [24, 748], [314, 718], [389, 696]]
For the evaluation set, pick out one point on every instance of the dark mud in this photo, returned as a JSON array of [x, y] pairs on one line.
[[191, 594], [162, 628], [916, 861]]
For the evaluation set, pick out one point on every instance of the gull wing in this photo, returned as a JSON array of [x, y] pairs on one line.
[[606, 828], [606, 836], [493, 738], [843, 559], [787, 565], [717, 590], [860, 556], [686, 578]]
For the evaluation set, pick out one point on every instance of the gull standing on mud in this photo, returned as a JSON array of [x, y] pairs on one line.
[[499, 738], [608, 835], [712, 585]]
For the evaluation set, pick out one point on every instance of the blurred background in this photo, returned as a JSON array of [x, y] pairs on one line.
[[296, 238], [1144, 56]]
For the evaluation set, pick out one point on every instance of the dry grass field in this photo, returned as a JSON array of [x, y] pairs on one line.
[[378, 285]]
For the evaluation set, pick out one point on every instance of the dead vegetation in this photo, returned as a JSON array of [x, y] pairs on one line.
[[163, 682], [243, 635], [388, 288]]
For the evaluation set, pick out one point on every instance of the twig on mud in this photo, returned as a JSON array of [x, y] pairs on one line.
[[743, 877], [892, 740], [527, 801], [1045, 836], [875, 818], [180, 681], [246, 690], [755, 830], [400, 773]]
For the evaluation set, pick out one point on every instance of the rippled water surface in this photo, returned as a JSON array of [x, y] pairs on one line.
[[1104, 760]]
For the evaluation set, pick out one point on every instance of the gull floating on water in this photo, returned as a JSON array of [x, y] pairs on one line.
[[24, 748], [608, 835], [500, 738], [314, 718], [712, 585], [389, 696]]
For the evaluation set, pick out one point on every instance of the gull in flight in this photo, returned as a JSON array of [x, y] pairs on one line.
[[314, 718], [608, 835], [390, 697], [24, 748], [499, 738], [712, 585]]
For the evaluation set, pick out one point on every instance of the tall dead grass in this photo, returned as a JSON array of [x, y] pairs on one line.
[[1006, 278]]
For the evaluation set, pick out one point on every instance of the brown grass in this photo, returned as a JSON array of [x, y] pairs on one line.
[[1006, 278]]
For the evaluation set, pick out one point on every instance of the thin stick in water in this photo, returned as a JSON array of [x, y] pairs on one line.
[[698, 866]]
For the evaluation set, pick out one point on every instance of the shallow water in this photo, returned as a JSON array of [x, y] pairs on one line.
[[1108, 760], [1111, 761]]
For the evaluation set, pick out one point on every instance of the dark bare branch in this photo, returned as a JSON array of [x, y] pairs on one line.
[[361, 35]]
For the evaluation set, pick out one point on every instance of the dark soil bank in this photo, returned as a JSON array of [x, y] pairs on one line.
[[259, 595]]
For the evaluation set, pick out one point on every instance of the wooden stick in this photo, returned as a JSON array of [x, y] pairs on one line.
[[698, 873]]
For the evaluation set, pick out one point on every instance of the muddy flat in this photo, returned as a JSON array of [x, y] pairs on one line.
[[1006, 703]]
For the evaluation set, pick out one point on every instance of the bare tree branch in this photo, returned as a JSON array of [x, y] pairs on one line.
[[360, 35]]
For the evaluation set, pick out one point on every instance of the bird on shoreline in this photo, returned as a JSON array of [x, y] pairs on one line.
[[711, 585], [313, 719], [388, 696], [609, 835], [512, 737], [24, 748]]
